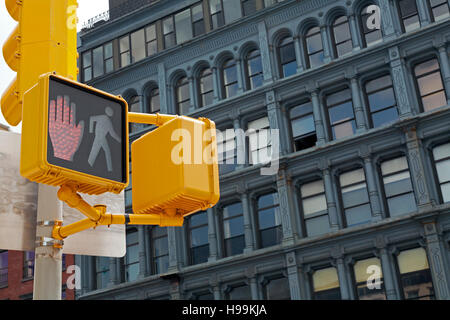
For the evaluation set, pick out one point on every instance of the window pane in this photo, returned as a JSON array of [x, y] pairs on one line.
[[395, 165], [233, 227], [234, 245], [357, 194], [137, 46], [215, 6], [312, 188], [161, 264], [317, 226], [352, 177], [430, 83], [314, 40], [384, 117], [109, 65], [303, 126], [434, 101], [124, 44], [108, 50], [160, 247], [441, 152], [87, 59], [382, 99], [269, 218], [183, 26], [98, 61], [358, 215], [441, 12], [361, 269], [232, 210], [443, 170], [402, 204], [397, 184], [325, 279], [314, 204], [200, 254], [198, 219], [87, 74], [240, 293], [412, 260], [278, 289], [232, 9], [199, 236], [445, 189]]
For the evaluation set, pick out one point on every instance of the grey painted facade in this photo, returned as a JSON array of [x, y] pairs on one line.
[[298, 255]]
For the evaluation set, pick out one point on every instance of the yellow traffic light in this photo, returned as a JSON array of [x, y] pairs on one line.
[[45, 40], [74, 134], [175, 168]]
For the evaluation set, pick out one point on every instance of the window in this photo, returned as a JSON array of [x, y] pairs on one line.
[[342, 38], [355, 198], [151, 41], [229, 78], [276, 288], [314, 47], [326, 284], [415, 275], [232, 9], [132, 256], [233, 229], [197, 226], [182, 96], [216, 12], [255, 77], [227, 153], [398, 190], [303, 127], [439, 9], [381, 100], [87, 66], [409, 15], [102, 272], [153, 101], [315, 210], [238, 292], [269, 220], [364, 272], [198, 22], [134, 106], [160, 250], [169, 33], [340, 113], [183, 26], [98, 62], [206, 90], [259, 141], [28, 265], [125, 52], [369, 36], [138, 44], [248, 7], [441, 157], [286, 55], [429, 82]]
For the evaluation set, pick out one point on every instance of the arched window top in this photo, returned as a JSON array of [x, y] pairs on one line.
[[340, 19], [286, 56], [342, 39]]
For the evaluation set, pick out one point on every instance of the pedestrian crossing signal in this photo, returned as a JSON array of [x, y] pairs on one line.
[[73, 133]]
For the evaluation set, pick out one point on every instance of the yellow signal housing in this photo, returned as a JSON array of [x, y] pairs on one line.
[[45, 40], [175, 168]]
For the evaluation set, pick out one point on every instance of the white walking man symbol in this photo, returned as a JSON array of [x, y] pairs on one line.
[[103, 127]]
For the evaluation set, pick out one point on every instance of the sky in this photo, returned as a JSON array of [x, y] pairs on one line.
[[86, 10]]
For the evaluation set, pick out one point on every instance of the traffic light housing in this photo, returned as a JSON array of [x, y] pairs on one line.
[[45, 40], [175, 168], [74, 134]]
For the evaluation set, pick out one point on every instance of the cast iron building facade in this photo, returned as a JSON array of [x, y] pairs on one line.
[[362, 190]]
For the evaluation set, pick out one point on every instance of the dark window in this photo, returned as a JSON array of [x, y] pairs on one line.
[[125, 52], [226, 149], [255, 77], [342, 38], [314, 47], [197, 226], [269, 220], [28, 264], [441, 156], [303, 127], [229, 78], [150, 38], [326, 284], [248, 7], [132, 256], [216, 11], [370, 35], [160, 250], [102, 272], [138, 46], [134, 106], [169, 33], [415, 276], [233, 229], [369, 283], [381, 101], [409, 15], [355, 198], [429, 82], [439, 9], [340, 113], [276, 288], [315, 210], [206, 295], [98, 62], [206, 89], [238, 292], [182, 95], [154, 101], [398, 190], [286, 54], [198, 22]]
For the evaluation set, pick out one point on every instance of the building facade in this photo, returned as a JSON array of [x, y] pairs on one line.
[[359, 208]]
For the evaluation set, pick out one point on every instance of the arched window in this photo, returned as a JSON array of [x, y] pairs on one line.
[[205, 87], [229, 78], [182, 96], [314, 47], [439, 9], [286, 57], [254, 70], [154, 104], [134, 106], [370, 34], [342, 39]]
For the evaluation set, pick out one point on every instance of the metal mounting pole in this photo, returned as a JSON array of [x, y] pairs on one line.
[[48, 258]]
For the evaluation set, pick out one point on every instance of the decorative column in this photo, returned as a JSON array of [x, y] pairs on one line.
[[216, 84], [371, 184], [354, 32], [113, 276], [326, 44], [342, 274], [361, 124], [254, 288], [299, 54], [404, 99], [162, 84], [436, 257], [445, 69], [214, 284], [329, 194], [387, 268], [293, 277], [142, 255], [387, 23], [276, 123], [284, 185], [318, 121], [249, 244], [424, 13], [265, 53], [173, 251], [212, 235]]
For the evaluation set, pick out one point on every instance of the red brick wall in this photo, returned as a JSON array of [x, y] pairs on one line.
[[18, 287]]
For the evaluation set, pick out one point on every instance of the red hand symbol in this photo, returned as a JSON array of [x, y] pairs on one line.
[[65, 135]]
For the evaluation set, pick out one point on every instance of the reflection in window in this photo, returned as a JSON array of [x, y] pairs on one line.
[[197, 226], [369, 270], [369, 36], [28, 264], [441, 156], [276, 288], [3, 268], [205, 86], [134, 106], [287, 60], [409, 15], [341, 36], [150, 38], [125, 52], [160, 250], [326, 284], [227, 150], [183, 26], [303, 127], [415, 276], [169, 33], [341, 115], [216, 12], [229, 78], [398, 188], [439, 9], [138, 50], [102, 272], [381, 100], [431, 88], [314, 47], [355, 198], [254, 69], [260, 144], [182, 96], [233, 229], [132, 256], [153, 101], [269, 220], [314, 205]]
